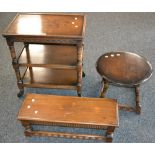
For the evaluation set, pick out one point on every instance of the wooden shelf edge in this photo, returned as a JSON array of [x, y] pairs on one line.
[[36, 85], [52, 66]]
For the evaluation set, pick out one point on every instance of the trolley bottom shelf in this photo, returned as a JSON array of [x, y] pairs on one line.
[[50, 78]]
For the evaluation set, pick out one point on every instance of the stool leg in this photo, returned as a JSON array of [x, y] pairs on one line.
[[109, 134], [104, 88], [137, 94]]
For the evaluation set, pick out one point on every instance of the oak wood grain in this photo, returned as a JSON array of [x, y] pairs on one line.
[[60, 35], [124, 68], [46, 25], [68, 109], [41, 55]]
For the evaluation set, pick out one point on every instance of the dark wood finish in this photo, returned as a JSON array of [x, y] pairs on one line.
[[16, 67], [138, 106], [49, 55], [126, 108], [79, 68], [54, 25], [50, 78], [61, 46], [104, 88], [126, 69], [65, 135], [69, 112]]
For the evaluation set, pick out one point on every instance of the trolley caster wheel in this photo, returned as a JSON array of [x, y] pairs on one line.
[[138, 110], [83, 74], [79, 95], [20, 93]]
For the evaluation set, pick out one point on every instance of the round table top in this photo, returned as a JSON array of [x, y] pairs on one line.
[[124, 68]]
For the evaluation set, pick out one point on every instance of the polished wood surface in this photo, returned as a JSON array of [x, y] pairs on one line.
[[41, 55], [61, 47], [50, 108], [124, 68], [45, 76], [47, 25], [69, 111]]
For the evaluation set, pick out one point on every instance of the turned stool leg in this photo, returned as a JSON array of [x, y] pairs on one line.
[[137, 93], [109, 134], [104, 88]]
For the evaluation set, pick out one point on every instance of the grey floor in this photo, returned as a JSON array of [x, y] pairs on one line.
[[105, 32]]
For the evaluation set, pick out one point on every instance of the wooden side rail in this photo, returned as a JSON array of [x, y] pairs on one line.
[[65, 135]]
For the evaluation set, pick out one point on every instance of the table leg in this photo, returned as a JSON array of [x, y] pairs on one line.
[[15, 64], [79, 67], [29, 62], [109, 134], [104, 88], [137, 93], [27, 127]]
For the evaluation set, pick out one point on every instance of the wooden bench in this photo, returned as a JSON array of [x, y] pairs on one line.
[[69, 111]]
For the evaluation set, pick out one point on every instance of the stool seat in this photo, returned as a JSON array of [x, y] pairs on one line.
[[124, 68]]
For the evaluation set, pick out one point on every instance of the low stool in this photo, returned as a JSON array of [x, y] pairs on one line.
[[69, 111], [126, 69]]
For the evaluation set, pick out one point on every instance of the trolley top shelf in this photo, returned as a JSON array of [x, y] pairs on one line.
[[45, 24]]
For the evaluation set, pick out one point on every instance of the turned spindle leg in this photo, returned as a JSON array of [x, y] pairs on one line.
[[104, 88], [109, 134], [137, 94], [79, 67], [16, 66]]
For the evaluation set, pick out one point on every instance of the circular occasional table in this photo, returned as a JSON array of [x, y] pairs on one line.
[[124, 69]]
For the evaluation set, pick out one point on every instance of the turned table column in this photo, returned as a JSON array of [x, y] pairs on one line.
[[79, 67]]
